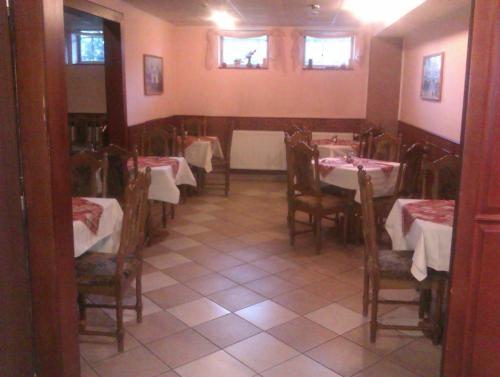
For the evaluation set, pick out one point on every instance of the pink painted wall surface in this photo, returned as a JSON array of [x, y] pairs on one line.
[[266, 93], [85, 88], [145, 34], [449, 36]]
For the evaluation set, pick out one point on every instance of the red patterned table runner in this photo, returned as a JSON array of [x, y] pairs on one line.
[[436, 211], [342, 142], [87, 212], [326, 165], [188, 140], [144, 162]]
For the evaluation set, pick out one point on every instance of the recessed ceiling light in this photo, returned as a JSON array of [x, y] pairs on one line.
[[384, 11], [223, 19], [315, 8]]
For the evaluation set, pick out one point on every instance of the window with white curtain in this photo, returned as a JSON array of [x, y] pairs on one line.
[[85, 47], [244, 52], [328, 52]]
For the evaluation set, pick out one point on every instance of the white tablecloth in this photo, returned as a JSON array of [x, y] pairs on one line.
[[200, 153], [431, 241], [346, 176], [107, 238], [164, 183]]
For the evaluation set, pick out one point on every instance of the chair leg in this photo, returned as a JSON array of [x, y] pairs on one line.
[[317, 231], [138, 296], [164, 214], [82, 312], [373, 320], [227, 182], [120, 332], [346, 227], [366, 291], [436, 336], [172, 211], [292, 227]]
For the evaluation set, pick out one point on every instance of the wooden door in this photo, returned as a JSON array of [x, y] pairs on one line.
[[16, 346], [472, 340]]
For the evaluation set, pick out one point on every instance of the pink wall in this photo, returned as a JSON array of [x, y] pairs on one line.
[[265, 93], [85, 88], [449, 36], [145, 34]]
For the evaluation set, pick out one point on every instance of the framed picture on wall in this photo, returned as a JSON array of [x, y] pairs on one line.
[[153, 75], [432, 77]]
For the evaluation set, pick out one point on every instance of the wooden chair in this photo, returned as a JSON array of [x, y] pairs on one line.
[[88, 172], [365, 140], [385, 147], [441, 178], [390, 269], [194, 126], [110, 275], [118, 172], [221, 166], [413, 157], [305, 192], [157, 142]]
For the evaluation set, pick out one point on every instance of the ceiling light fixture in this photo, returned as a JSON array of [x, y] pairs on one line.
[[381, 11], [315, 8], [223, 19]]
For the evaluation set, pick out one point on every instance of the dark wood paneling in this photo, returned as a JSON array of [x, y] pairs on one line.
[[473, 333], [43, 127], [438, 146], [16, 345]]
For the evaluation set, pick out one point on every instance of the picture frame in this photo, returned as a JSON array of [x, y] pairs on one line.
[[432, 77], [153, 75]]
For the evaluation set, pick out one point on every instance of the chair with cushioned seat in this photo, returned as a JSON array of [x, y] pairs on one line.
[[110, 275], [391, 269], [305, 195]]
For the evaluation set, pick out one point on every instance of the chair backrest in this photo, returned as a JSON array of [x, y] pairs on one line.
[[441, 178], [366, 138], [229, 142], [135, 212], [303, 169], [88, 172], [157, 142], [194, 126], [385, 147], [413, 157], [118, 172], [368, 219]]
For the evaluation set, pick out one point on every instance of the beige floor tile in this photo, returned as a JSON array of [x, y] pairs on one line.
[[270, 286], [301, 276], [154, 250], [148, 269], [302, 334], [343, 356], [301, 301], [355, 303], [95, 348], [166, 260], [236, 298], [218, 364], [267, 314], [300, 366], [274, 264], [249, 254], [138, 362], [261, 352], [199, 217], [86, 370], [181, 348], [172, 296], [129, 315], [403, 315], [385, 368], [255, 238], [332, 289], [219, 262], [199, 252], [209, 207], [180, 243], [353, 277], [227, 245], [211, 283], [196, 312], [169, 374], [244, 273], [187, 271], [191, 229], [211, 236], [155, 326], [420, 356], [155, 280], [337, 318], [227, 330]]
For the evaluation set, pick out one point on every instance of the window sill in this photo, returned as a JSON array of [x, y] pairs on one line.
[[245, 68], [328, 68]]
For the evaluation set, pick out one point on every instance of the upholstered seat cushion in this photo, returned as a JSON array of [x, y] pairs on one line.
[[94, 268], [395, 264], [326, 202]]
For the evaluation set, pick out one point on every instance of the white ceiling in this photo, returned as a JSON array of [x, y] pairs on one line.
[[252, 12]]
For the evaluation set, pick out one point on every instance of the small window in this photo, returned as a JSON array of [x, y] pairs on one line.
[[328, 53], [243, 52], [85, 47]]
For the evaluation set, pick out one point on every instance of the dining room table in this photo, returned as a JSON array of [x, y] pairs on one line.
[[335, 147], [199, 151], [425, 226], [343, 172], [96, 224]]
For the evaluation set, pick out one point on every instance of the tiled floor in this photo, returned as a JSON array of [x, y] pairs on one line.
[[225, 295]]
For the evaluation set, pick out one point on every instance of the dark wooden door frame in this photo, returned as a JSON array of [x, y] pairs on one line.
[[473, 334], [39, 62]]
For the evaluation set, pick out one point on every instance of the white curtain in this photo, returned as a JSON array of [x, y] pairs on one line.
[[297, 52], [276, 53]]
